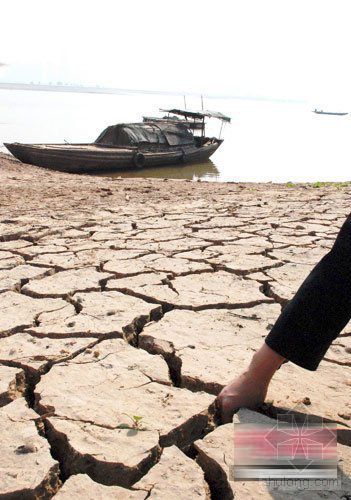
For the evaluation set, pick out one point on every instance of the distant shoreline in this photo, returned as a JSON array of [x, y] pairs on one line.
[[117, 91], [81, 89]]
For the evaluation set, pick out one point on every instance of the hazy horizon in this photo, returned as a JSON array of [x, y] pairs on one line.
[[280, 50], [61, 86]]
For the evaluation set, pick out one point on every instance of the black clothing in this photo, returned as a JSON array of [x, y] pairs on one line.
[[320, 309]]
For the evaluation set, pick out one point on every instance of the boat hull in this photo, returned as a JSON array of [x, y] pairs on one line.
[[329, 113], [86, 158]]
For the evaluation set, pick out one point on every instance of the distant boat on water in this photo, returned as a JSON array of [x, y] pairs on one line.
[[321, 112]]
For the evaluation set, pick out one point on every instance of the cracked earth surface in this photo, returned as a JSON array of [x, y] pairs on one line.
[[126, 305]]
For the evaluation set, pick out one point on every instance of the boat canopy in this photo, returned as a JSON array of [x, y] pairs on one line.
[[198, 114], [133, 134]]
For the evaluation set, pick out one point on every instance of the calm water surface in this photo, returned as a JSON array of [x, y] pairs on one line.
[[266, 141]]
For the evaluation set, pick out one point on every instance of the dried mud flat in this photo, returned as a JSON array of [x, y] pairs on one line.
[[124, 298]]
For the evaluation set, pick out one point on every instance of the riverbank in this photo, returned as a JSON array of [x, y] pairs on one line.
[[127, 304]]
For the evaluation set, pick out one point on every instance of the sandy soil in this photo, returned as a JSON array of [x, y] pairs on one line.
[[126, 305]]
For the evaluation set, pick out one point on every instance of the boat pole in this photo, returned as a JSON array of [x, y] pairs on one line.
[[220, 132]]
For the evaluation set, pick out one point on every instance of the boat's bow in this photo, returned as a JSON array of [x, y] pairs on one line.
[[18, 150]]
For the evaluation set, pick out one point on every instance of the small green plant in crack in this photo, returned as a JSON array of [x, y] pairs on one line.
[[135, 425]]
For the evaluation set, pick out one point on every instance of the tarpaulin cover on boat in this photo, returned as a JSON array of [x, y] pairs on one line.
[[198, 114], [133, 134]]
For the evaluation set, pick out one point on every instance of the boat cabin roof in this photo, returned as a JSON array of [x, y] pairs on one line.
[[132, 134], [198, 114]]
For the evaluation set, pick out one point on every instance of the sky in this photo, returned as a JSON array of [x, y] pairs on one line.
[[275, 49]]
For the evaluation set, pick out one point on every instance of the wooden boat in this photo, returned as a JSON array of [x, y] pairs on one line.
[[320, 112], [125, 146]]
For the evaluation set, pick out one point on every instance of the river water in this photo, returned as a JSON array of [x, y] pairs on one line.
[[266, 141]]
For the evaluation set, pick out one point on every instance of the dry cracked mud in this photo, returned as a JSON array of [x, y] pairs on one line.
[[126, 305], [27, 467], [81, 486]]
